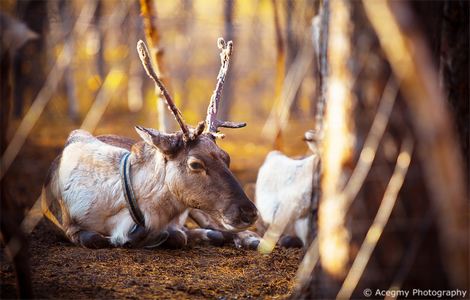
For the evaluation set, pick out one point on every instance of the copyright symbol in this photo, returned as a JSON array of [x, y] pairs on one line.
[[367, 292]]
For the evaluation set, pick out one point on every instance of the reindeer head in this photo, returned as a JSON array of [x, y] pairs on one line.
[[197, 170]]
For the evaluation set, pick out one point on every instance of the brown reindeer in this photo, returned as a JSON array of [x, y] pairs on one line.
[[109, 191]]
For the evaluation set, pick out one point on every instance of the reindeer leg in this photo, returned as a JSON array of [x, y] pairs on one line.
[[289, 241], [139, 237], [218, 238], [93, 240], [176, 239], [156, 239], [247, 240], [136, 236], [208, 236]]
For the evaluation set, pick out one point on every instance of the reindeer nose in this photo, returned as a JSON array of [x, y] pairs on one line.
[[248, 213]]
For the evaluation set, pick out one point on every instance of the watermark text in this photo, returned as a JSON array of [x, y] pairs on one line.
[[396, 293]]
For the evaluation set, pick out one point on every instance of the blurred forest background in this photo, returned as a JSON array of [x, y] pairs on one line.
[[80, 69], [105, 53]]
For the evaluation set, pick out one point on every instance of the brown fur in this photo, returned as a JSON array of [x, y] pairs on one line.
[[52, 169], [117, 141]]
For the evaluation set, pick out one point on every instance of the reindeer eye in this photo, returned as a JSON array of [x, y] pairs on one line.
[[196, 166]]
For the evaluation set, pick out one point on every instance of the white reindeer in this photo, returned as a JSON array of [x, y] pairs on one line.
[[286, 185], [108, 191]]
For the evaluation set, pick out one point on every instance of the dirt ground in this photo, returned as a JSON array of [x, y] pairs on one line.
[[62, 270]]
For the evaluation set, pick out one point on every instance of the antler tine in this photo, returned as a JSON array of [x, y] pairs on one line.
[[211, 120], [146, 62]]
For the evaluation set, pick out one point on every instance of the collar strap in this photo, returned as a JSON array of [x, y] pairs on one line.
[[125, 172]]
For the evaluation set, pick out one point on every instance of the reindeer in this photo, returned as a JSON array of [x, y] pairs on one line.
[[108, 191], [285, 184], [286, 193]]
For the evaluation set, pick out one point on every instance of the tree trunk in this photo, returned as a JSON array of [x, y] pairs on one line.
[[66, 12], [149, 14], [227, 93], [186, 29], [293, 45], [11, 213], [30, 61], [99, 36], [410, 253], [135, 87], [454, 68]]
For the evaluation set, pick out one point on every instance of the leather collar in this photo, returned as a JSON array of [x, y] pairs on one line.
[[125, 172]]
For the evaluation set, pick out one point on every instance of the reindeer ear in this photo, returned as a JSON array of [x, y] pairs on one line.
[[167, 143], [312, 138]]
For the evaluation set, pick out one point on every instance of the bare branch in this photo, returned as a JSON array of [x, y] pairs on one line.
[[148, 9], [146, 62], [371, 144], [280, 112], [211, 119], [438, 149], [381, 219], [361, 170]]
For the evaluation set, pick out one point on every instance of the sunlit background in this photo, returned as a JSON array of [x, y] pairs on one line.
[[384, 84]]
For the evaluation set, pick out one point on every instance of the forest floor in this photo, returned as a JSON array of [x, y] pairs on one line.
[[62, 270]]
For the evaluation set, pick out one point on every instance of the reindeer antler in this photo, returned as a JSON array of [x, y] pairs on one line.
[[212, 124], [146, 62]]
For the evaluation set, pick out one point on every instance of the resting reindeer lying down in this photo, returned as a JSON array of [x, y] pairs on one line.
[[109, 191], [168, 177]]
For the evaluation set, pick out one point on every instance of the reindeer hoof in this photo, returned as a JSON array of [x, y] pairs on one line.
[[250, 243], [253, 245], [93, 240], [136, 235], [291, 242], [176, 239], [157, 240], [216, 238], [246, 240]]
